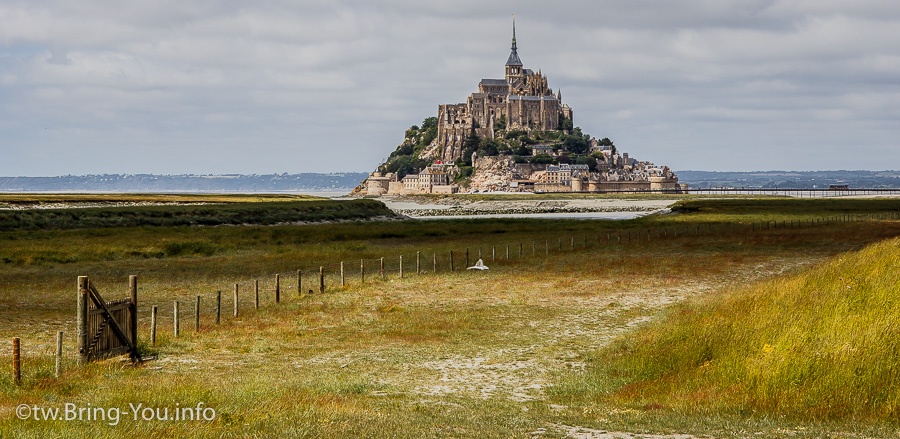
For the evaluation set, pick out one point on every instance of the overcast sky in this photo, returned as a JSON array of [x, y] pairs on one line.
[[171, 87]]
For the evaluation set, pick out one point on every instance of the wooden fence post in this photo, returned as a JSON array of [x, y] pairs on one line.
[[59, 341], [81, 320], [362, 271], [218, 306], [132, 289], [467, 257], [343, 281], [547, 246], [321, 280], [418, 266], [197, 315], [494, 253], [520, 250], [175, 321], [382, 268], [277, 289], [256, 293], [299, 283], [451, 260], [236, 301], [560, 243], [573, 243], [401, 266], [533, 249], [153, 325], [434, 262], [17, 362], [507, 252]]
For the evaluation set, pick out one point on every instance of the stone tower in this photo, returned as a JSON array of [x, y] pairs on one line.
[[514, 70], [523, 99]]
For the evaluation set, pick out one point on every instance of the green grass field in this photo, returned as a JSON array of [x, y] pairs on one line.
[[688, 332]]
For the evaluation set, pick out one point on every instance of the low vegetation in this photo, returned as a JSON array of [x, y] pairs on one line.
[[193, 214], [816, 345], [546, 344]]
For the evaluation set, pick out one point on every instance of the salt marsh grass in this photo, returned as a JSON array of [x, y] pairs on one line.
[[526, 345]]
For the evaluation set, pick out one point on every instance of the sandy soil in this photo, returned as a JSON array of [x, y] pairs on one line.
[[449, 206]]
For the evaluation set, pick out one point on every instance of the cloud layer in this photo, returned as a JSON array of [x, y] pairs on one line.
[[221, 87]]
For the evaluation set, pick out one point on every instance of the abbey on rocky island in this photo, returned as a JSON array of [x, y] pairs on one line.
[[520, 101], [513, 134]]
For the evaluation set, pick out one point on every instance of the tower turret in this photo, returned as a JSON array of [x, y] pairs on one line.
[[513, 63]]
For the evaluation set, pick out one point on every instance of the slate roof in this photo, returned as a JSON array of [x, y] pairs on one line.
[[513, 59]]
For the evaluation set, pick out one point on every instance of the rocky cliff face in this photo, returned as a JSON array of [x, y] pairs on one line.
[[492, 174]]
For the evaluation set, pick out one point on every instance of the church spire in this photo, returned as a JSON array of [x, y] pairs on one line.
[[513, 56]]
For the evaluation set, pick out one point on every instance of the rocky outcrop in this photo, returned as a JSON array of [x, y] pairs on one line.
[[492, 174]]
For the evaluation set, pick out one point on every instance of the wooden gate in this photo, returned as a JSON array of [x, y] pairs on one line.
[[106, 329]]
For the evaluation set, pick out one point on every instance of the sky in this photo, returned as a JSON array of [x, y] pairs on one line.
[[219, 87]]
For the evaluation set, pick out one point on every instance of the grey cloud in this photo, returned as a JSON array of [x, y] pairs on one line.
[[205, 86]]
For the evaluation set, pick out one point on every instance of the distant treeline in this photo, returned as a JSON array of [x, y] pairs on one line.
[[791, 179], [185, 183]]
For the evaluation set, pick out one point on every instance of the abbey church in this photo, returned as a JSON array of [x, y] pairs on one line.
[[521, 101], [526, 143]]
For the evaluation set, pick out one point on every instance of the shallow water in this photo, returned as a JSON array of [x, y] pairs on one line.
[[574, 215]]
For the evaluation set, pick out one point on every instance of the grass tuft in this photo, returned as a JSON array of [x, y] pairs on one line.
[[818, 345]]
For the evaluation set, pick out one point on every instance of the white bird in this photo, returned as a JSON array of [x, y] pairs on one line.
[[478, 266]]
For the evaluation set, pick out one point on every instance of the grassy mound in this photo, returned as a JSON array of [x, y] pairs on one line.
[[824, 344]]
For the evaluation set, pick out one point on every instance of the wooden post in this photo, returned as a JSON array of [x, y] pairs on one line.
[[434, 267], [344, 282], [175, 321], [494, 253], [520, 250], [153, 325], [382, 268], [362, 270], [236, 301], [58, 369], [81, 334], [547, 246], [299, 283], [608, 241], [132, 289], [218, 306], [573, 243], [467, 257], [277, 289], [401, 266], [451, 260], [17, 362], [256, 293], [418, 265], [507, 252], [321, 280], [197, 315]]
